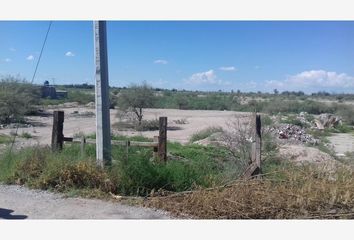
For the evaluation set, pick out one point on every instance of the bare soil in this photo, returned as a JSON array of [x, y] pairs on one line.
[[196, 120], [342, 143]]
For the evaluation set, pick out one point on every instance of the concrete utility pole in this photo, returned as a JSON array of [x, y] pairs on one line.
[[103, 127]]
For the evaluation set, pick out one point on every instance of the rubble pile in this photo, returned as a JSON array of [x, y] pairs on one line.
[[326, 120], [293, 133], [302, 117]]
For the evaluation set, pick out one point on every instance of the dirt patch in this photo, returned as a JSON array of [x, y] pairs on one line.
[[342, 143], [77, 122], [308, 155]]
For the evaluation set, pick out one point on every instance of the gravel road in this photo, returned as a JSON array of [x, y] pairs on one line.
[[17, 202]]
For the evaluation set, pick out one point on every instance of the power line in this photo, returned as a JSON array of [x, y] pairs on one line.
[[40, 55]]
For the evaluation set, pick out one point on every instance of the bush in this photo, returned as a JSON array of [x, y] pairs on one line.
[[80, 97], [204, 133], [145, 125], [17, 98], [26, 135], [4, 139], [347, 113]]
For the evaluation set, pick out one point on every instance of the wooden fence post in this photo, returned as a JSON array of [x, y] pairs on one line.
[[57, 132], [254, 169], [155, 151], [258, 138], [162, 146], [82, 145]]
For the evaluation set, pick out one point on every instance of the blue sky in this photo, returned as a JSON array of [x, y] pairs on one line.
[[195, 55]]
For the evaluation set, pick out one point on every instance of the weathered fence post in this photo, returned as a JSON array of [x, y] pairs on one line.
[[127, 145], [162, 143], [155, 151], [258, 138], [82, 145], [57, 132], [254, 169]]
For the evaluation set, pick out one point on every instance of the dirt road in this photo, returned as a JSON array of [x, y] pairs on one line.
[[18, 202]]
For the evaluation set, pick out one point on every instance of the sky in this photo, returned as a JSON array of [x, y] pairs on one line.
[[193, 55]]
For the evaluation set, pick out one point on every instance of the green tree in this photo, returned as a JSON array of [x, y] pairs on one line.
[[17, 98], [136, 98]]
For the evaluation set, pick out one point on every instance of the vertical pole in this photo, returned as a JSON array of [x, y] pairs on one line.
[[258, 143], [103, 128], [155, 150], [162, 146], [82, 145], [127, 145], [57, 131]]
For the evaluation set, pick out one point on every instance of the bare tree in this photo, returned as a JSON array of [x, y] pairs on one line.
[[238, 140]]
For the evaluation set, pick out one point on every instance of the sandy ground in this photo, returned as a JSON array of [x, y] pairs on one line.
[[342, 143], [18, 202], [196, 121]]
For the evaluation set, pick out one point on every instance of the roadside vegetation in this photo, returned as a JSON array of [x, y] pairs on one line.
[[136, 174], [284, 192]]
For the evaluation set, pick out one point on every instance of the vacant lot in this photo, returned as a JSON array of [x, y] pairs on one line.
[[195, 120]]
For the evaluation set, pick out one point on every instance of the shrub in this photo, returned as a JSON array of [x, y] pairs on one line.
[[145, 125], [80, 97], [347, 113], [17, 98], [148, 125], [26, 135], [202, 134], [4, 139]]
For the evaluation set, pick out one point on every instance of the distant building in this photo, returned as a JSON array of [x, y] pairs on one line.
[[49, 91]]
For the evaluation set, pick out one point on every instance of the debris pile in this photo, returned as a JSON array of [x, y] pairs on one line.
[[293, 133], [326, 120], [82, 114], [15, 125], [303, 117]]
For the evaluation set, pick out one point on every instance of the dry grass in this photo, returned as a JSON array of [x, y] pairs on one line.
[[299, 193]]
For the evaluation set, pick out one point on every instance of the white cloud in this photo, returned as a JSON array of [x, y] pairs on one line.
[[30, 58], [256, 67], [69, 54], [7, 60], [207, 77], [12, 49], [231, 68], [160, 61], [203, 77], [314, 79]]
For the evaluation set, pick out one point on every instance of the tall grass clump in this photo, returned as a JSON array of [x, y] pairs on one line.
[[136, 173], [290, 192], [40, 168]]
